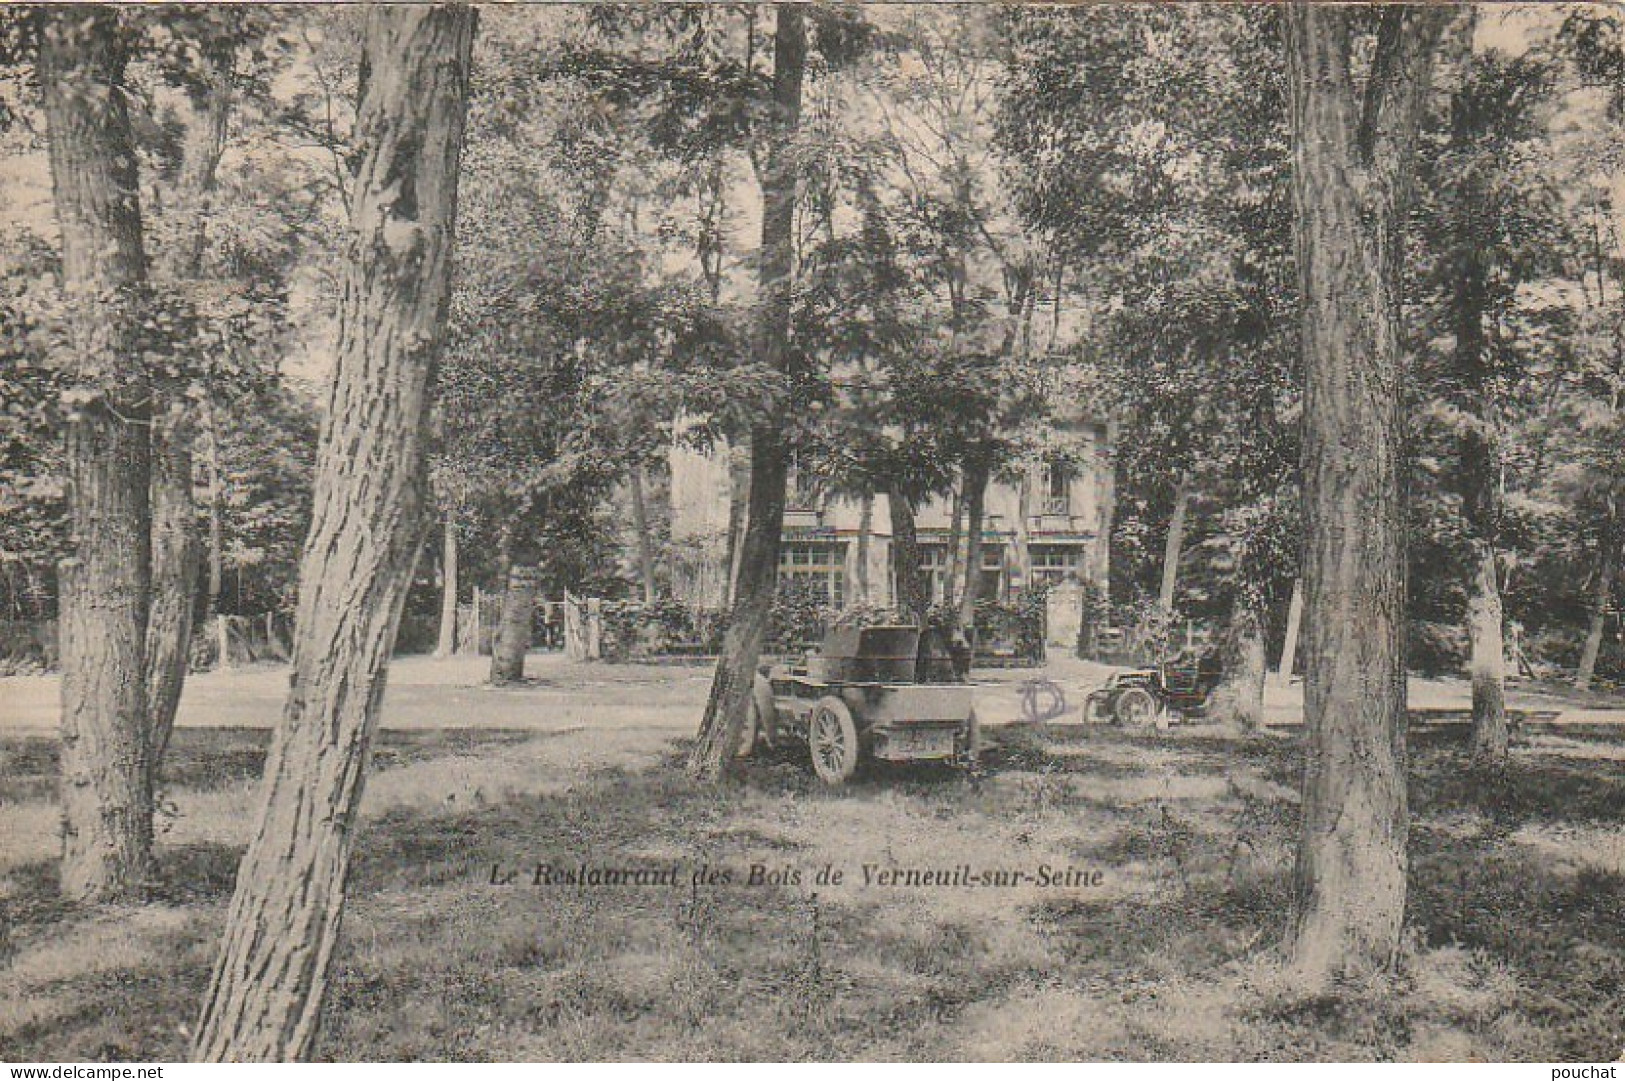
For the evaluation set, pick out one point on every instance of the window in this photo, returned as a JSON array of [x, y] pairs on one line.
[[1054, 563], [1057, 489], [934, 570], [801, 491], [819, 566]]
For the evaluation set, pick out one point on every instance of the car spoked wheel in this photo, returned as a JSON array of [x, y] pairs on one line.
[[1136, 708], [832, 739]]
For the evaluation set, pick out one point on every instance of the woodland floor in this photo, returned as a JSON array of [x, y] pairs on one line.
[[1517, 948]]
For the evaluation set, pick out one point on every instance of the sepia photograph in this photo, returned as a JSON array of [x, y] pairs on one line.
[[812, 532]]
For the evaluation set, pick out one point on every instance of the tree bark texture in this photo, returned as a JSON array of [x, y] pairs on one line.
[[1100, 564], [446, 643], [214, 478], [1488, 659], [106, 787], [367, 529], [1352, 158], [176, 547], [758, 561], [1479, 473], [1239, 698], [954, 557], [911, 600], [175, 565], [738, 502], [1602, 592], [1174, 544], [1021, 549], [204, 145], [514, 625], [640, 524], [977, 471]]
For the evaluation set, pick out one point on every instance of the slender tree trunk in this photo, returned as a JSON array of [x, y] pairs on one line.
[[1239, 698], [912, 600], [1488, 660], [764, 517], [175, 544], [976, 478], [215, 480], [446, 645], [955, 553], [640, 525], [174, 579], [205, 144], [866, 528], [1106, 462], [1351, 174], [1601, 595], [1294, 630], [367, 529], [1021, 540], [738, 507], [513, 630], [1174, 545], [1479, 472], [106, 789]]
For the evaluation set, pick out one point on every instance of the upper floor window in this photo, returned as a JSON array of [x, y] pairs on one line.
[[1057, 489]]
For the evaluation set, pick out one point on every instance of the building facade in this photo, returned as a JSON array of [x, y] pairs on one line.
[[1046, 523]]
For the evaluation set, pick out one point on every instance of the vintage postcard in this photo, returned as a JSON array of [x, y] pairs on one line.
[[811, 532]]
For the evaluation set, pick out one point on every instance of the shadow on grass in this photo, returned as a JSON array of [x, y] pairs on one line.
[[1556, 926], [1533, 788], [437, 962], [210, 759]]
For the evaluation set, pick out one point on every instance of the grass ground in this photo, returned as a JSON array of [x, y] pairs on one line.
[[1517, 947]]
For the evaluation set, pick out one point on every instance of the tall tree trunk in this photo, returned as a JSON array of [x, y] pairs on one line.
[[1100, 561], [1021, 553], [1479, 475], [1352, 163], [214, 478], [367, 529], [1239, 698], [764, 514], [954, 557], [1174, 544], [446, 644], [640, 525], [866, 528], [514, 626], [738, 506], [175, 544], [174, 578], [976, 478], [1602, 592], [911, 600], [1294, 630], [106, 789], [1488, 660]]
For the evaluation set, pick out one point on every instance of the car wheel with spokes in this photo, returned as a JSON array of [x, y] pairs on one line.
[[832, 740], [1136, 708]]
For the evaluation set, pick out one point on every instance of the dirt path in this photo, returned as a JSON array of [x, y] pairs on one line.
[[430, 693]]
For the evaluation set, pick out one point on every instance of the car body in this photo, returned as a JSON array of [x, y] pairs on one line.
[[888, 693]]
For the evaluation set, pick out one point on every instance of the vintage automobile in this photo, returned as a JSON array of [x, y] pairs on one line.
[[1179, 686], [890, 693]]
